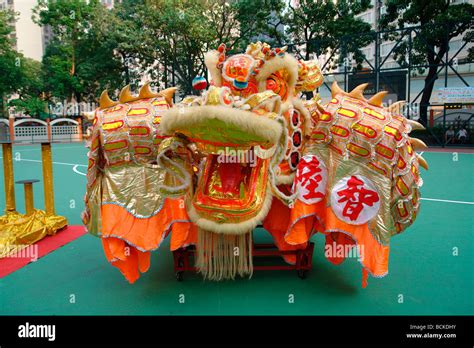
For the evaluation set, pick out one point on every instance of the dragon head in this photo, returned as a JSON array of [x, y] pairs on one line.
[[250, 129]]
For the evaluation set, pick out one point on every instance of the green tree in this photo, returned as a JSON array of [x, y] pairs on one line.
[[10, 60], [255, 20], [326, 26], [173, 42], [70, 22], [30, 99], [440, 21], [82, 58], [176, 33], [122, 30]]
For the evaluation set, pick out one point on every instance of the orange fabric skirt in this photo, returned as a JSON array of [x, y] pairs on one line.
[[128, 240], [292, 228]]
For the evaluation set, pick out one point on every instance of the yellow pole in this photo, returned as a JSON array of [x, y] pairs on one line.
[[48, 178], [29, 201], [10, 206]]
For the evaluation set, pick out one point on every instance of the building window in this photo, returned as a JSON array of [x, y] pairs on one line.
[[366, 17], [385, 48]]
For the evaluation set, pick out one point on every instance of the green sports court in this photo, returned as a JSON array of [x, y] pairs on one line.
[[430, 264]]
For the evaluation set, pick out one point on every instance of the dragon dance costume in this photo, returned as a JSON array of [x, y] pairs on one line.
[[250, 151]]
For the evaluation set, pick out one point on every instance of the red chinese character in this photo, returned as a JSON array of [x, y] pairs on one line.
[[355, 196], [308, 177]]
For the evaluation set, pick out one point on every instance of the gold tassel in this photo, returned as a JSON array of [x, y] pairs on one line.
[[223, 256]]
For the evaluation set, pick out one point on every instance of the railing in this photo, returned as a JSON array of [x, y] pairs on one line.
[[64, 133], [33, 134], [405, 81]]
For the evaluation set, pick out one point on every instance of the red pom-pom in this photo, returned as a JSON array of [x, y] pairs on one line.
[[199, 83]]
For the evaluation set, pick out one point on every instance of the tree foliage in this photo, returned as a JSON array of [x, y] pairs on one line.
[[324, 26], [440, 21], [30, 98], [81, 60], [95, 48], [163, 40], [10, 60], [175, 34]]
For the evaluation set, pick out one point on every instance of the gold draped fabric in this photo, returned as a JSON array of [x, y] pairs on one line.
[[19, 231]]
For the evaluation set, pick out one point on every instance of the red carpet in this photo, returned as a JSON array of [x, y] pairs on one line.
[[43, 247]]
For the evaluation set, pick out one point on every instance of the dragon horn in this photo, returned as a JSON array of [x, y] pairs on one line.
[[105, 101], [415, 125], [396, 108], [168, 94], [422, 162], [358, 92], [125, 95], [335, 89], [146, 92], [417, 144], [377, 98]]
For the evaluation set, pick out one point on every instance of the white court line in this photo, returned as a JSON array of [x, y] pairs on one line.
[[64, 164], [451, 152], [78, 172], [445, 200]]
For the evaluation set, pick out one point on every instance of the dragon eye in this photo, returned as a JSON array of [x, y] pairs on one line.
[[294, 159], [278, 85]]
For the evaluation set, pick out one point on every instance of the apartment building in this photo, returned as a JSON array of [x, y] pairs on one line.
[[30, 38]]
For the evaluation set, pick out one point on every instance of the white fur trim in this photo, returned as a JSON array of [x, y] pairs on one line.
[[249, 122], [231, 228], [285, 179], [298, 104], [211, 59]]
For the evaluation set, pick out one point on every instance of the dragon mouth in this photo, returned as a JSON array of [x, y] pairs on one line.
[[229, 191], [237, 145], [230, 177], [228, 181]]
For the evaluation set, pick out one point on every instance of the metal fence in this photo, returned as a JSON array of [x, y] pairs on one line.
[[38, 132], [33, 134], [404, 80], [64, 133]]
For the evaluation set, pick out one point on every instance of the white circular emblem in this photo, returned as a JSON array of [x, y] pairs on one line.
[[310, 180], [355, 200]]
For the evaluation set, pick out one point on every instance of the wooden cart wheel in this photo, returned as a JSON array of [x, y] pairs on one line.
[[302, 273], [179, 276]]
